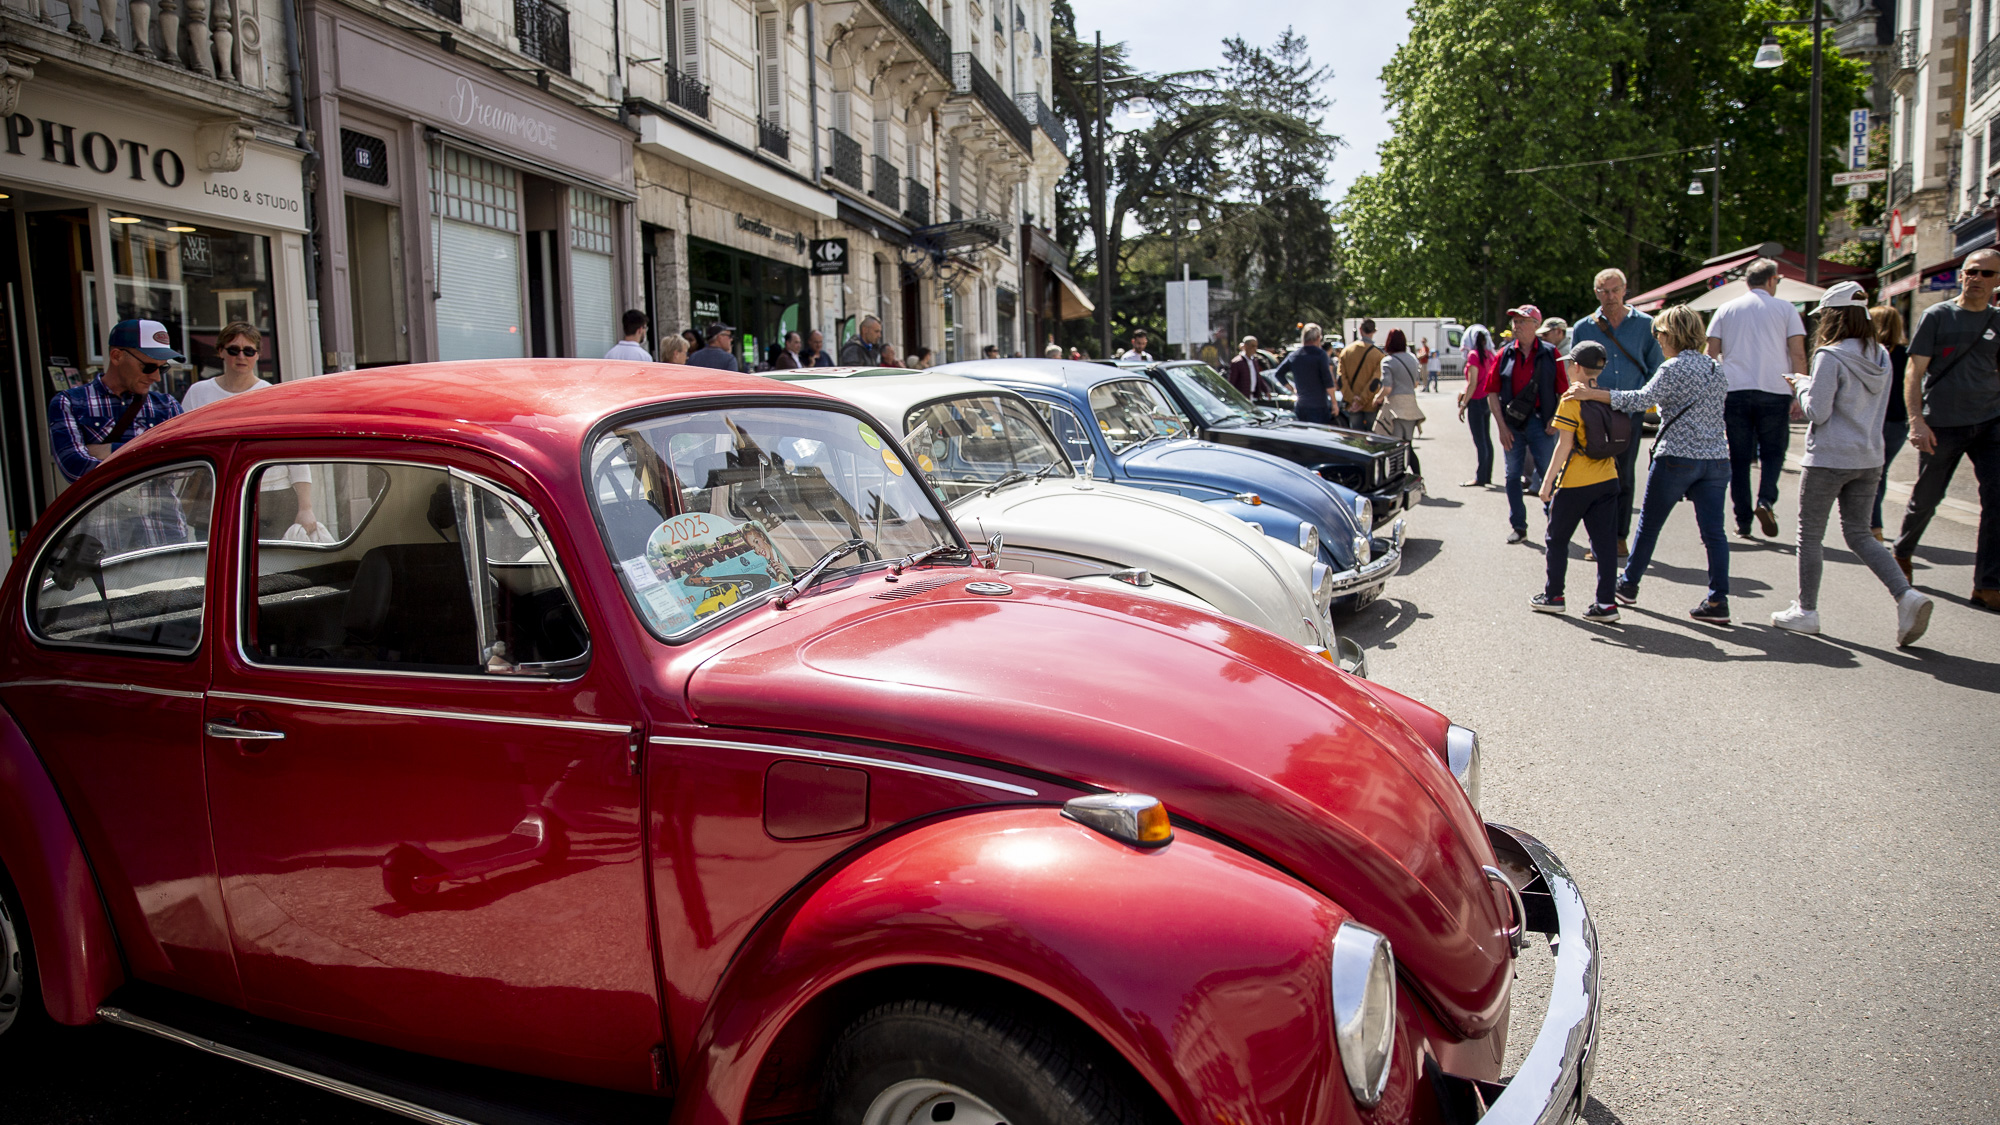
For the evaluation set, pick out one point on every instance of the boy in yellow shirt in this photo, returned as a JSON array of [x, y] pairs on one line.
[[1580, 489]]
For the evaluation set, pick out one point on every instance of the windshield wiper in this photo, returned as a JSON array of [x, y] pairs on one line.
[[1042, 473], [897, 566], [1013, 476], [812, 573]]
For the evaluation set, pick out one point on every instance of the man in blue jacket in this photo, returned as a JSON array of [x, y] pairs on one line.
[[1527, 385], [1627, 336], [1312, 374]]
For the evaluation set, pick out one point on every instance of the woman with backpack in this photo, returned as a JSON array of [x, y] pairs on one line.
[[1690, 455], [1472, 407], [1402, 374], [1844, 402], [1581, 487]]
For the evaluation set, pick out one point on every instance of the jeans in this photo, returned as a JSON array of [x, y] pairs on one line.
[[1628, 479], [1320, 411], [1980, 444], [1480, 417], [1595, 506], [1894, 436], [1760, 427], [1819, 489], [1672, 479], [1533, 446]]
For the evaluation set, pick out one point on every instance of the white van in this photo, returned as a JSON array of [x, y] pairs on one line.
[[1445, 334]]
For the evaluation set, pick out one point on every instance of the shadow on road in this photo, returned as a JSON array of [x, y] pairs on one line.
[[1597, 1113], [1791, 648], [1958, 671], [1375, 626], [1417, 552], [1698, 578]]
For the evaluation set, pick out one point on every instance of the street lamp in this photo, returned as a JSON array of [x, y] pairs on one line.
[[1770, 56]]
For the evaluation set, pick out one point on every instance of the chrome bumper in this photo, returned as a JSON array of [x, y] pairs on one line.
[[1553, 1083], [1378, 570]]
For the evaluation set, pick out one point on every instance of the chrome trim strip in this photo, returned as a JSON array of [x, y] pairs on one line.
[[169, 692], [852, 759], [1553, 1083], [427, 713], [360, 1094]]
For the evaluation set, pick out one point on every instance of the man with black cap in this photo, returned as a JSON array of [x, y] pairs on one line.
[[717, 353], [90, 423]]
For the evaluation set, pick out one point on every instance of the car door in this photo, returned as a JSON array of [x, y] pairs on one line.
[[105, 674], [425, 810]]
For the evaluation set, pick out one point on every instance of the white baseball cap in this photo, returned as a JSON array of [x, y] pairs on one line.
[[1846, 295]]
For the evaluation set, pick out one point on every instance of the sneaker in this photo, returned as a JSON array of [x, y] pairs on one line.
[[1473, 484], [1628, 592], [1743, 531], [1624, 550], [1792, 619], [1516, 535], [1601, 613], [1542, 603], [1714, 611], [1913, 616], [1768, 520]]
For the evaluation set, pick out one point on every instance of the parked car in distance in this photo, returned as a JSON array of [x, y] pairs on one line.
[[490, 810], [1001, 471], [1373, 465], [1121, 427]]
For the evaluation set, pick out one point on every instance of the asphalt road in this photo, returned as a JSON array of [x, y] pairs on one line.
[[1787, 842]]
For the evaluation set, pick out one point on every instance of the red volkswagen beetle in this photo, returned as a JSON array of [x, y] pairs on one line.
[[590, 741]]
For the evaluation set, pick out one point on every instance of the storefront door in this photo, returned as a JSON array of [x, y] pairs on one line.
[[761, 297]]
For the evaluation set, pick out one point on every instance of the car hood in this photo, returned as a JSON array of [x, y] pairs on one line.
[[1232, 469], [1210, 554], [1318, 434], [1241, 734]]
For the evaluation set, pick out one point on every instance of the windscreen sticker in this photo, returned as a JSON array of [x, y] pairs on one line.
[[701, 563], [868, 437], [890, 459]]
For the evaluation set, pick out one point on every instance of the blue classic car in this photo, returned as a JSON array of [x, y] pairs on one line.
[[1121, 427]]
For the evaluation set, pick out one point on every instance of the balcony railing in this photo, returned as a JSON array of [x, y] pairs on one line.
[[218, 39], [1983, 66], [1899, 184], [1908, 54], [968, 77], [685, 92], [773, 139], [449, 9], [1036, 110], [846, 165], [910, 18], [918, 209], [543, 29], [887, 185]]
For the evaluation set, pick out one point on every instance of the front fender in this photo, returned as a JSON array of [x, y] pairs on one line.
[[1206, 970], [76, 955]]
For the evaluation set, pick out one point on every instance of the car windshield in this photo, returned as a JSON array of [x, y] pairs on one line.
[[711, 509], [1214, 398], [964, 444], [1133, 411]]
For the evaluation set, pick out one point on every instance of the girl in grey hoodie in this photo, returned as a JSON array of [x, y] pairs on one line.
[[1844, 400]]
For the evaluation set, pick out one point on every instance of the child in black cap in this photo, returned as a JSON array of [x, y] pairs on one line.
[[1582, 489]]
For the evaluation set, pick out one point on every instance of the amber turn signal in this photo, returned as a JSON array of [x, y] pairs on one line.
[[1134, 818]]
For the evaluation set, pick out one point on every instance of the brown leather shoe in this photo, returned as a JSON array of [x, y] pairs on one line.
[[1987, 599], [1768, 520], [1909, 574]]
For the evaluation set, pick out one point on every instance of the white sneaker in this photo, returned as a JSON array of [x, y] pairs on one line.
[[1913, 616], [1792, 619]]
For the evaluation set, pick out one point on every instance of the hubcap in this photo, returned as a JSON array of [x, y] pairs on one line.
[[13, 974], [923, 1101]]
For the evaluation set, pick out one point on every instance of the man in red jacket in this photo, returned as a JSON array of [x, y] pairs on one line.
[[1243, 369]]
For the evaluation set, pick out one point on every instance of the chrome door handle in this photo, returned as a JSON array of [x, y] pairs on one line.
[[245, 734]]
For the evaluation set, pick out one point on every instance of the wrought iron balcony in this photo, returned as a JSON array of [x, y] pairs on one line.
[[887, 185], [846, 165], [543, 29], [968, 77], [1036, 110], [685, 92], [918, 209], [773, 139], [910, 18], [1983, 66], [1899, 183], [1908, 52]]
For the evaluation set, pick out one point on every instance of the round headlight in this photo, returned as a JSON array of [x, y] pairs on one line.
[[1461, 752], [1364, 1009], [1364, 512], [1309, 539], [1363, 550], [1322, 586]]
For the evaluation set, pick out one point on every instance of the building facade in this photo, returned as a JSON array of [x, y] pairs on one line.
[[1926, 78]]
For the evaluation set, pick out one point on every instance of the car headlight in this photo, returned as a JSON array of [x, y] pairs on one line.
[[1309, 539], [1364, 1009], [1322, 586], [1461, 753], [1364, 512], [1363, 550]]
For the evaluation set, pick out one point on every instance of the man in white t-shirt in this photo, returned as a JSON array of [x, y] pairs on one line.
[[1761, 342], [633, 346], [1138, 349]]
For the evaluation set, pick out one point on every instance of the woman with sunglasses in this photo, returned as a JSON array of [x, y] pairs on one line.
[[238, 347], [284, 492]]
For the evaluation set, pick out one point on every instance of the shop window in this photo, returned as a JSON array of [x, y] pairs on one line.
[[593, 289], [476, 203], [194, 279]]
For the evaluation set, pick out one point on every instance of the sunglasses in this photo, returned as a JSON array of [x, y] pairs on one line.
[[1982, 273], [151, 368], [246, 353]]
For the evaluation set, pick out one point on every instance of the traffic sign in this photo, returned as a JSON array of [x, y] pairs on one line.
[[1869, 176], [829, 257]]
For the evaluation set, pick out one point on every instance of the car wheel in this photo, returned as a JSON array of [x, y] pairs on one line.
[[20, 1002], [401, 872], [914, 1062]]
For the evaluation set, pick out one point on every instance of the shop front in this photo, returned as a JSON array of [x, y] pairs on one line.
[[763, 298], [469, 216], [115, 211]]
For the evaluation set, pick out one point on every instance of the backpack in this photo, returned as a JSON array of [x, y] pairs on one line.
[[1604, 432]]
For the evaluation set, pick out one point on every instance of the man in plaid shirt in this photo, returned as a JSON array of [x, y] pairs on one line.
[[84, 422]]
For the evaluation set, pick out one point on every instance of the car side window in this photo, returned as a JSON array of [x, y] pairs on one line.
[[1131, 411], [1068, 429], [406, 567], [131, 570]]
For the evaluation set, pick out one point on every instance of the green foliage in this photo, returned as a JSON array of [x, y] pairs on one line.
[[1480, 89]]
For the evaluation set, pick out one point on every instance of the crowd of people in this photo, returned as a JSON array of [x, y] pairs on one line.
[[715, 347]]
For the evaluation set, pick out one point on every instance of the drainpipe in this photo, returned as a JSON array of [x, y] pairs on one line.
[[308, 169], [812, 88]]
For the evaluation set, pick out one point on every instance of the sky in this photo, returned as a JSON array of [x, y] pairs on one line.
[[1354, 37]]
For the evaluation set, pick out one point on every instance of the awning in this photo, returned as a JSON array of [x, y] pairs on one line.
[[1073, 305], [1898, 288], [1660, 292], [1788, 290]]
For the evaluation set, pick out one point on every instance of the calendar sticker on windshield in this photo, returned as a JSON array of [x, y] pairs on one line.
[[701, 563]]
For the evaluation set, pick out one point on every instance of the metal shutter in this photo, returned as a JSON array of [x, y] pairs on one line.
[[479, 302]]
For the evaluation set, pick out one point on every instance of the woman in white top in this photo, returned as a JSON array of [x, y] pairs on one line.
[[284, 493]]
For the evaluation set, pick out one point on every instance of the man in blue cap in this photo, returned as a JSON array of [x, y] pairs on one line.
[[89, 423]]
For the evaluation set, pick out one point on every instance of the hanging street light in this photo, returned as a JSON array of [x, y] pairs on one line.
[[1770, 56], [1696, 187]]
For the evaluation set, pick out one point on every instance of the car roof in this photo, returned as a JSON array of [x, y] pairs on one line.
[[542, 407], [891, 397], [1055, 374]]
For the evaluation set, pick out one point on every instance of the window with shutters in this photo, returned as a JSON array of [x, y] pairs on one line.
[[684, 34], [770, 69]]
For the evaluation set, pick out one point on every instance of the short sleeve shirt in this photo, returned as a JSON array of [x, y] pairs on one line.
[[1969, 391], [1579, 470], [1754, 330]]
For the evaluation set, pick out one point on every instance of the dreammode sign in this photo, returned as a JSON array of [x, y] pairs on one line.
[[466, 108]]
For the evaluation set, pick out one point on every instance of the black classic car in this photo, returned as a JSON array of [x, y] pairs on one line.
[[1373, 465]]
